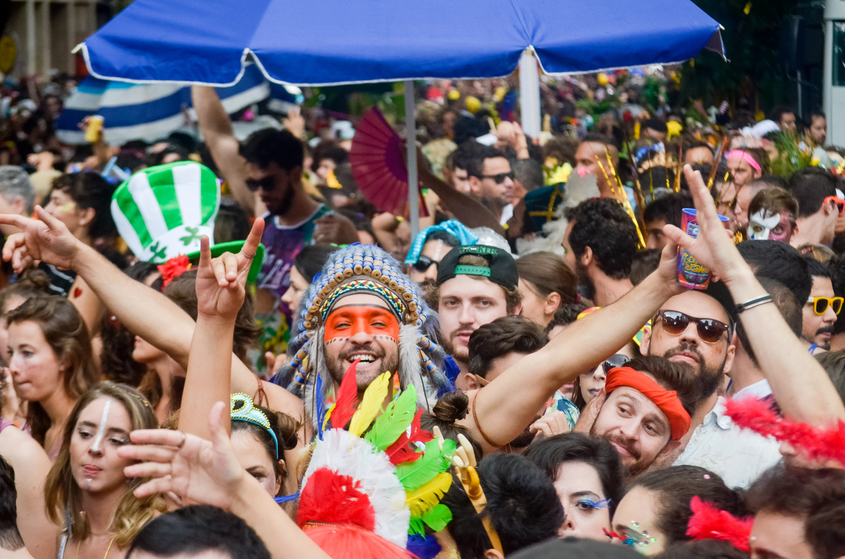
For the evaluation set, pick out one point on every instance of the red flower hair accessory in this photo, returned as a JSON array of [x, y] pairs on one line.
[[173, 268]]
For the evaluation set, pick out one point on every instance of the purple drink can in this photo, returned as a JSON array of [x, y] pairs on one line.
[[691, 273]]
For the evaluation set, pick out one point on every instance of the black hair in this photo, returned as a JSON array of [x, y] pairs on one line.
[[507, 334], [566, 315], [448, 239], [273, 146], [198, 528], [10, 537], [780, 262], [522, 505], [836, 267], [817, 496], [328, 149], [668, 208], [479, 155], [551, 453], [790, 309], [602, 225], [772, 180], [676, 486], [808, 120], [461, 158], [816, 268], [596, 138], [309, 261], [645, 262], [778, 112], [90, 190], [810, 186]]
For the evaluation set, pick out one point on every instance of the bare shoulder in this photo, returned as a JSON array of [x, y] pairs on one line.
[[19, 448]]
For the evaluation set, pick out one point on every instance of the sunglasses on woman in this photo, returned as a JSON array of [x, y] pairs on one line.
[[709, 330], [820, 304], [614, 361]]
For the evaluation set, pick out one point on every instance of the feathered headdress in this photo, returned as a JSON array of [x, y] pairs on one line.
[[709, 523], [365, 268], [818, 443], [376, 471]]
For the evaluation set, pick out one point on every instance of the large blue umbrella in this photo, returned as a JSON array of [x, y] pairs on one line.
[[344, 41]]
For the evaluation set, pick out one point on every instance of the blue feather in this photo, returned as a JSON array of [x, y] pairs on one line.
[[424, 547], [321, 405]]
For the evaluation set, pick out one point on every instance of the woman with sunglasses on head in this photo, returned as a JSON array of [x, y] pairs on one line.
[[428, 249], [87, 492]]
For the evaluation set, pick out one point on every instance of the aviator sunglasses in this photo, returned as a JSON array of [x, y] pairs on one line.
[[709, 330], [820, 304]]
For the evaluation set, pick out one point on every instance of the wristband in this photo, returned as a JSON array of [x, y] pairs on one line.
[[753, 303]]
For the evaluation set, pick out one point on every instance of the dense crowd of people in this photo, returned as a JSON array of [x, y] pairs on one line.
[[620, 337]]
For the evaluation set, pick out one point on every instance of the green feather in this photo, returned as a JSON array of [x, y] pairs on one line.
[[416, 527], [433, 462], [395, 419], [438, 517]]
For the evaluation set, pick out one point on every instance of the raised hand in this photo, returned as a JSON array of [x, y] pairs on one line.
[[221, 281], [46, 239], [714, 246], [201, 471]]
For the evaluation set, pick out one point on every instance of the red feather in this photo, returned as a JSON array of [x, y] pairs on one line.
[[709, 523], [816, 443], [335, 499], [401, 450], [347, 398], [351, 542]]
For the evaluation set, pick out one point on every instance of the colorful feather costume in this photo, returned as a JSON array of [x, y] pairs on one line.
[[375, 479], [366, 268]]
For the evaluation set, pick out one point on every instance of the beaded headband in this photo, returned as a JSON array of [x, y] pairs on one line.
[[396, 304], [242, 409]]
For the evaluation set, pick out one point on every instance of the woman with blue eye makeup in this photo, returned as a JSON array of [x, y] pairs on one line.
[[587, 475], [87, 495]]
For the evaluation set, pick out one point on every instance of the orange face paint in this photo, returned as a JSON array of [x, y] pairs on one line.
[[345, 322]]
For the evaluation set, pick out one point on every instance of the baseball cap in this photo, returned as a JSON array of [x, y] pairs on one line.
[[576, 548], [501, 270]]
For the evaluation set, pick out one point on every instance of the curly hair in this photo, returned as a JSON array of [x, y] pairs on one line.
[[273, 146], [602, 225]]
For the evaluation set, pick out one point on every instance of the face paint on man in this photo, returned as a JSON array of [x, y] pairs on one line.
[[764, 225], [361, 329]]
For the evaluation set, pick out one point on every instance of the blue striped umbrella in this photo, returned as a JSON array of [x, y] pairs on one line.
[[151, 112]]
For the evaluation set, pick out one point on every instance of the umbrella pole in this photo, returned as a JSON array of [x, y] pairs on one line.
[[529, 94], [411, 143]]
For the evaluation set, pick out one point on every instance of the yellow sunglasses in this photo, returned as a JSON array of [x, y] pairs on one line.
[[820, 304]]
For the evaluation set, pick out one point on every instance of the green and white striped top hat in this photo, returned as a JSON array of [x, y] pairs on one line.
[[163, 211]]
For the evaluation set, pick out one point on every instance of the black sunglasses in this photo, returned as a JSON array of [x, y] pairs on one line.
[[498, 178], [709, 330], [614, 361], [423, 263], [267, 184]]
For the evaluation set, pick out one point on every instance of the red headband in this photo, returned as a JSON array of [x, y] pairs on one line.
[[666, 400]]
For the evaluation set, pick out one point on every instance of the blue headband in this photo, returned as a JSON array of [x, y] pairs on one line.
[[242, 409]]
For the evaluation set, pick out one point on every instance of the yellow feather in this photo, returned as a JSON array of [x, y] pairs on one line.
[[371, 405], [426, 496]]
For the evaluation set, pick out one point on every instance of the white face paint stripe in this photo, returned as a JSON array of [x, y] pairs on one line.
[[766, 220], [102, 429]]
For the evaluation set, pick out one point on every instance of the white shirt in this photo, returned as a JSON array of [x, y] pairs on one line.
[[507, 213], [737, 455], [758, 390]]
